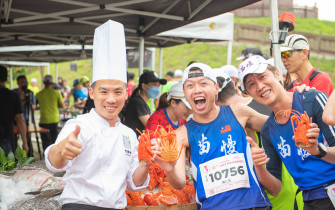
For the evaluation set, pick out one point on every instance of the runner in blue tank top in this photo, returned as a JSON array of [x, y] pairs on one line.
[[222, 167], [312, 168]]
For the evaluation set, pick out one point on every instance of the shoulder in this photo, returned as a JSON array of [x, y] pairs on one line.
[[312, 95], [322, 74], [322, 79]]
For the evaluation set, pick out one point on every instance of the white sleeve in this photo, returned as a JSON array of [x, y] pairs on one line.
[[134, 164], [66, 130]]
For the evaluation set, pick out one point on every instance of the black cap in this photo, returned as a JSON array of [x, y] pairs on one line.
[[149, 76], [170, 73], [248, 52]]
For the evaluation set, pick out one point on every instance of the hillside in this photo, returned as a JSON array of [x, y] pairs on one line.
[[213, 54], [308, 25]]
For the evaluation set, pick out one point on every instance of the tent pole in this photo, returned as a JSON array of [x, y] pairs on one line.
[[11, 78], [56, 72], [229, 51], [275, 36], [160, 62], [141, 54], [49, 68], [153, 60]]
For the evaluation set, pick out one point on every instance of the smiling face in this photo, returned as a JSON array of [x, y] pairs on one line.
[[201, 93], [264, 87], [109, 97]]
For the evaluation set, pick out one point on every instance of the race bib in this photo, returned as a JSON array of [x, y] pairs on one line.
[[224, 173], [331, 193]]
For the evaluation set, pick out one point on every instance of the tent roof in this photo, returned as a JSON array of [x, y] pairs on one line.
[[73, 22]]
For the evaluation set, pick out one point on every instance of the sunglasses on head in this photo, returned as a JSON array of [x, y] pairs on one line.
[[287, 54]]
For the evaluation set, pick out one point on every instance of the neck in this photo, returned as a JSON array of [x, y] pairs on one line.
[[208, 117], [144, 95], [304, 71], [2, 84], [172, 116], [283, 106]]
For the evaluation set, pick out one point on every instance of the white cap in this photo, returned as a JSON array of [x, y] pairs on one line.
[[222, 78], [176, 92], [109, 52], [206, 71], [255, 64], [33, 80], [294, 42], [178, 73], [230, 70]]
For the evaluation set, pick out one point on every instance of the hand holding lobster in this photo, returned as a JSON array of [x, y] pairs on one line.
[[312, 135], [167, 166]]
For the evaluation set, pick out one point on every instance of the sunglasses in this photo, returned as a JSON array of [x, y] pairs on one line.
[[287, 54]]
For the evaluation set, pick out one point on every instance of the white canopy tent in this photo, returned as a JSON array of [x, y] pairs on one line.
[[216, 28], [22, 63]]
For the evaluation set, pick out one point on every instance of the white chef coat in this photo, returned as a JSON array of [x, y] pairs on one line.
[[100, 174]]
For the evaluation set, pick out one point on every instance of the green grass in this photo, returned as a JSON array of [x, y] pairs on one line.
[[310, 25]]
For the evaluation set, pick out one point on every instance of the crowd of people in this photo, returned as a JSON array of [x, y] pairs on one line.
[[234, 125]]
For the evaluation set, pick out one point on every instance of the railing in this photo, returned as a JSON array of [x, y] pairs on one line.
[[260, 34], [263, 10]]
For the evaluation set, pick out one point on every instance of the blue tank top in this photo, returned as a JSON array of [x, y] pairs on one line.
[[79, 93], [222, 137], [307, 171]]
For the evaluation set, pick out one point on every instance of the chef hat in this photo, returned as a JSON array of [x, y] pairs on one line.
[[109, 52]]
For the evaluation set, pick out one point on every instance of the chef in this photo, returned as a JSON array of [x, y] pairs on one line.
[[98, 152]]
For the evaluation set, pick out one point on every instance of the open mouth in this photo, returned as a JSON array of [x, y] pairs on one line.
[[200, 103], [266, 93]]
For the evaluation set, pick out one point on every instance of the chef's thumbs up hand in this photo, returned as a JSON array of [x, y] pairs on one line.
[[258, 154], [71, 146]]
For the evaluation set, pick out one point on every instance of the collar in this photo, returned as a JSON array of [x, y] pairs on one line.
[[101, 122]]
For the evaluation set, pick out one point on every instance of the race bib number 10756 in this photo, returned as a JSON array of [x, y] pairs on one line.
[[224, 173]]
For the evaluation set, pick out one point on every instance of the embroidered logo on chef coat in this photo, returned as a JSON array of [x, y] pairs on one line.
[[127, 145]]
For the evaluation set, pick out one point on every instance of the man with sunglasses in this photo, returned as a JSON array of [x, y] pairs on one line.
[[295, 56]]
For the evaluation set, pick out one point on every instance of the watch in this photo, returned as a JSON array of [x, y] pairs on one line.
[[323, 150]]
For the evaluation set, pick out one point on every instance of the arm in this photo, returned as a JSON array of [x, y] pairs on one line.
[[327, 130], [328, 115], [144, 119], [248, 117], [175, 171], [271, 183], [69, 95], [21, 124], [141, 173], [60, 101]]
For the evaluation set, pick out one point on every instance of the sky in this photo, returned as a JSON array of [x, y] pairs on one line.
[[326, 7]]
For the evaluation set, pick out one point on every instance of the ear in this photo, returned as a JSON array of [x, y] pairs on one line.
[[90, 92], [277, 74], [217, 88], [143, 86], [173, 103], [305, 52]]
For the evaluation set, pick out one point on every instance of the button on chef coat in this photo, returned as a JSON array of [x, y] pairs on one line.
[[100, 174]]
